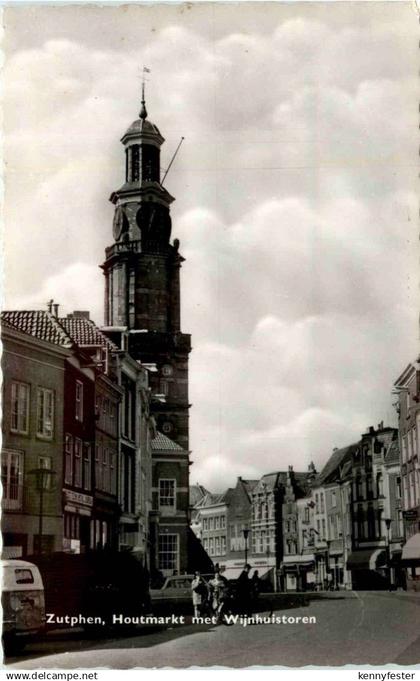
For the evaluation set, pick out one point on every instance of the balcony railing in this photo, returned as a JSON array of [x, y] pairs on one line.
[[123, 247]]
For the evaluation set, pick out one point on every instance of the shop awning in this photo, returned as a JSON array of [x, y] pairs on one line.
[[234, 572], [411, 549], [366, 559]]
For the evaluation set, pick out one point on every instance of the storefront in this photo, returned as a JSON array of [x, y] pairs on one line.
[[299, 573], [369, 569], [410, 560]]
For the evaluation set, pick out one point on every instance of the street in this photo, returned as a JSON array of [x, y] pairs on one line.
[[362, 628]]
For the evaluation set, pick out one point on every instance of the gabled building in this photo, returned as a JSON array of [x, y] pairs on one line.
[[225, 526], [407, 387], [372, 521], [169, 525], [65, 418], [123, 434], [33, 369], [298, 563]]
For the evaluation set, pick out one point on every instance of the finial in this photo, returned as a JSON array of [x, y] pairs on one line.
[[143, 110]]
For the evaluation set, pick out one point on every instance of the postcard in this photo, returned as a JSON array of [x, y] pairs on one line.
[[210, 332]]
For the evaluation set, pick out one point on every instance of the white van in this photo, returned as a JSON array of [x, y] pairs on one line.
[[23, 603]]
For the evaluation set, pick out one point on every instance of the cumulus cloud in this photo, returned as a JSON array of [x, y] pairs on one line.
[[296, 202]]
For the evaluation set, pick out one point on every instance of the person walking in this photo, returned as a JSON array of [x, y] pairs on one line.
[[243, 590], [218, 591], [199, 593]]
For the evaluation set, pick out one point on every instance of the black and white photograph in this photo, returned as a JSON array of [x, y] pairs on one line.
[[210, 326]]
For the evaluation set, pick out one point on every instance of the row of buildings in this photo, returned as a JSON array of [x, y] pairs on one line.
[[95, 450], [83, 464], [344, 527]]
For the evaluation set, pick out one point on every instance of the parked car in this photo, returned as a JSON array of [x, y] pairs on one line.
[[23, 604], [175, 592]]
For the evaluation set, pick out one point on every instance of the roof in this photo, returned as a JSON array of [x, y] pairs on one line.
[[39, 324], [270, 481], [143, 126], [249, 485], [197, 492], [163, 443], [85, 332], [337, 458], [214, 499]]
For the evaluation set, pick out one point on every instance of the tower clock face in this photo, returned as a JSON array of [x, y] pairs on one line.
[[118, 223]]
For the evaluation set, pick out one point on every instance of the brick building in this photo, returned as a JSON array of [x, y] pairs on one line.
[[32, 426], [170, 507]]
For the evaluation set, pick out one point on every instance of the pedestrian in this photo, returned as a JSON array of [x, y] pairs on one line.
[[255, 585], [199, 593], [243, 590], [218, 591]]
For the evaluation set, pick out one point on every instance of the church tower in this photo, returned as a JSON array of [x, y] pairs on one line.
[[142, 275]]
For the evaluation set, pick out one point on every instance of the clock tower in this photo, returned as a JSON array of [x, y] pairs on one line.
[[142, 278]]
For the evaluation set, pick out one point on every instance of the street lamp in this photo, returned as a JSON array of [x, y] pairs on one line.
[[43, 478], [388, 522], [246, 533]]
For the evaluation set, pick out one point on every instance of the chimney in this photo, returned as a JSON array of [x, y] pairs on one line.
[[381, 425], [371, 430], [55, 308], [49, 305], [79, 314]]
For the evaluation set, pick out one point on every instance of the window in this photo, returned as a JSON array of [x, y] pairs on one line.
[[322, 502], [324, 531], [167, 494], [306, 514], [380, 485], [168, 552], [98, 466], [79, 401], [398, 488], [217, 523], [211, 520], [211, 546], [45, 463], [404, 448], [317, 502], [77, 462], [358, 487], [20, 408], [222, 522], [86, 468], [68, 464], [222, 545], [23, 576], [45, 411], [11, 478], [106, 482], [217, 546], [205, 524], [114, 477]]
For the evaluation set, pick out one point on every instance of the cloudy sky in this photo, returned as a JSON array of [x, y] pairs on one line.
[[296, 203]]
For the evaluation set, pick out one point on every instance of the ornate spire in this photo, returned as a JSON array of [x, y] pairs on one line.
[[143, 110]]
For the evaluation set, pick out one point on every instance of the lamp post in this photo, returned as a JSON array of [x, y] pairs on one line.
[[246, 533], [388, 522], [43, 477]]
